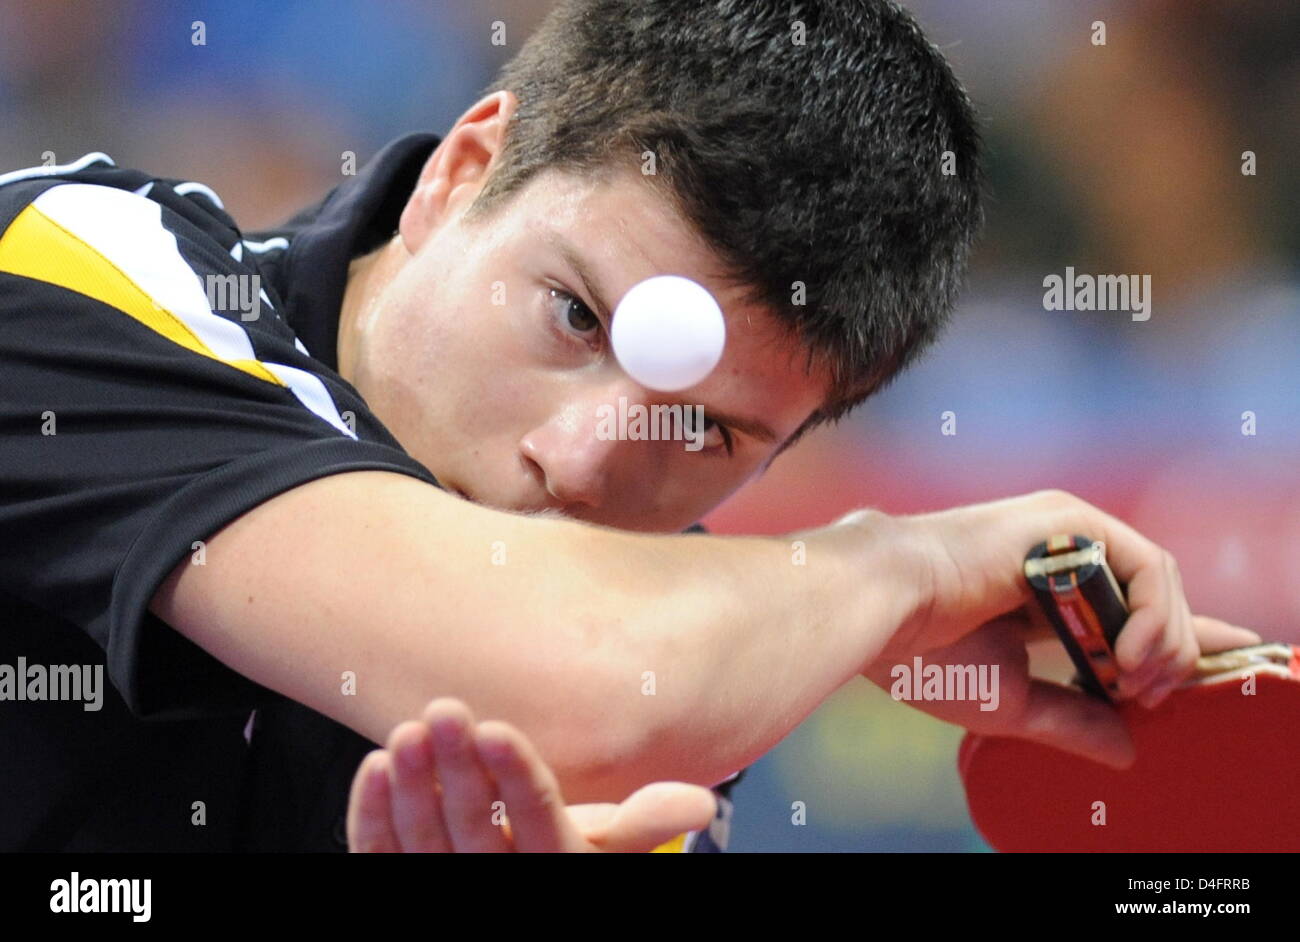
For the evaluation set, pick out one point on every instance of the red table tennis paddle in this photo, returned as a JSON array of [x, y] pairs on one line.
[[1217, 761]]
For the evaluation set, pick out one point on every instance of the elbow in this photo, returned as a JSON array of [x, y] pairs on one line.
[[623, 732]]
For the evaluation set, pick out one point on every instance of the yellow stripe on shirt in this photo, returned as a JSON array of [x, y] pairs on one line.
[[676, 846], [35, 246]]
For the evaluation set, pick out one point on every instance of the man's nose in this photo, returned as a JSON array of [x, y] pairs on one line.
[[576, 451]]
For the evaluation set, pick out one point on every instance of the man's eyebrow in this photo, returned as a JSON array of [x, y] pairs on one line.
[[755, 428], [579, 265]]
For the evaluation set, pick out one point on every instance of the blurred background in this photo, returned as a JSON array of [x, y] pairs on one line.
[[1123, 158]]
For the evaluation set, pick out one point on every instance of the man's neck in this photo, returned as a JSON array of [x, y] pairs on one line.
[[367, 277]]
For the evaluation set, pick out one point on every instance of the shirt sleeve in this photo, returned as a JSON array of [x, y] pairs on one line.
[[150, 393]]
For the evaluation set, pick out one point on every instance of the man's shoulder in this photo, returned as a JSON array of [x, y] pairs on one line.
[[139, 243], [93, 189]]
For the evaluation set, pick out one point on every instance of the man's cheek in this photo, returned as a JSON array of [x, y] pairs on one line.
[[494, 399]]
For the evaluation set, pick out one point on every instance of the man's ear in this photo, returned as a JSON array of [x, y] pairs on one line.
[[457, 168]]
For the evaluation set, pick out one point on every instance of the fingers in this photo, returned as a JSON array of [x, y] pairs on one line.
[[1128, 552], [416, 801], [437, 784], [1070, 720], [427, 791], [1150, 604], [531, 794], [1165, 671], [1158, 646], [1157, 649], [468, 792], [445, 784], [369, 821]]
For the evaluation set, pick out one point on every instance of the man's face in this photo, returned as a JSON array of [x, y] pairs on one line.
[[488, 356]]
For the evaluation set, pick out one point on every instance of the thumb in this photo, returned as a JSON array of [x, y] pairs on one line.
[[592, 822], [651, 816], [1072, 721]]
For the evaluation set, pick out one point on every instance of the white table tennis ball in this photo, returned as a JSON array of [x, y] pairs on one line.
[[668, 333]]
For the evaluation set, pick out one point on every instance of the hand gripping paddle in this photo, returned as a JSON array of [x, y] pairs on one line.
[[1218, 763]]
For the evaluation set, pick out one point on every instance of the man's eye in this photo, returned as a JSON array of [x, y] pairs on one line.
[[572, 314], [715, 435]]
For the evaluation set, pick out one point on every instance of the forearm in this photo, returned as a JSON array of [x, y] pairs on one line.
[[631, 658], [744, 637], [625, 657]]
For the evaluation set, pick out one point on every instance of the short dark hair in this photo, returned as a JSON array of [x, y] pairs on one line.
[[821, 162]]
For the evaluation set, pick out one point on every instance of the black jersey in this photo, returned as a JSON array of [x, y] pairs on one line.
[[161, 374]]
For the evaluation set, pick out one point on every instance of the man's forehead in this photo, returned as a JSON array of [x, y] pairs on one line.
[[623, 212]]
